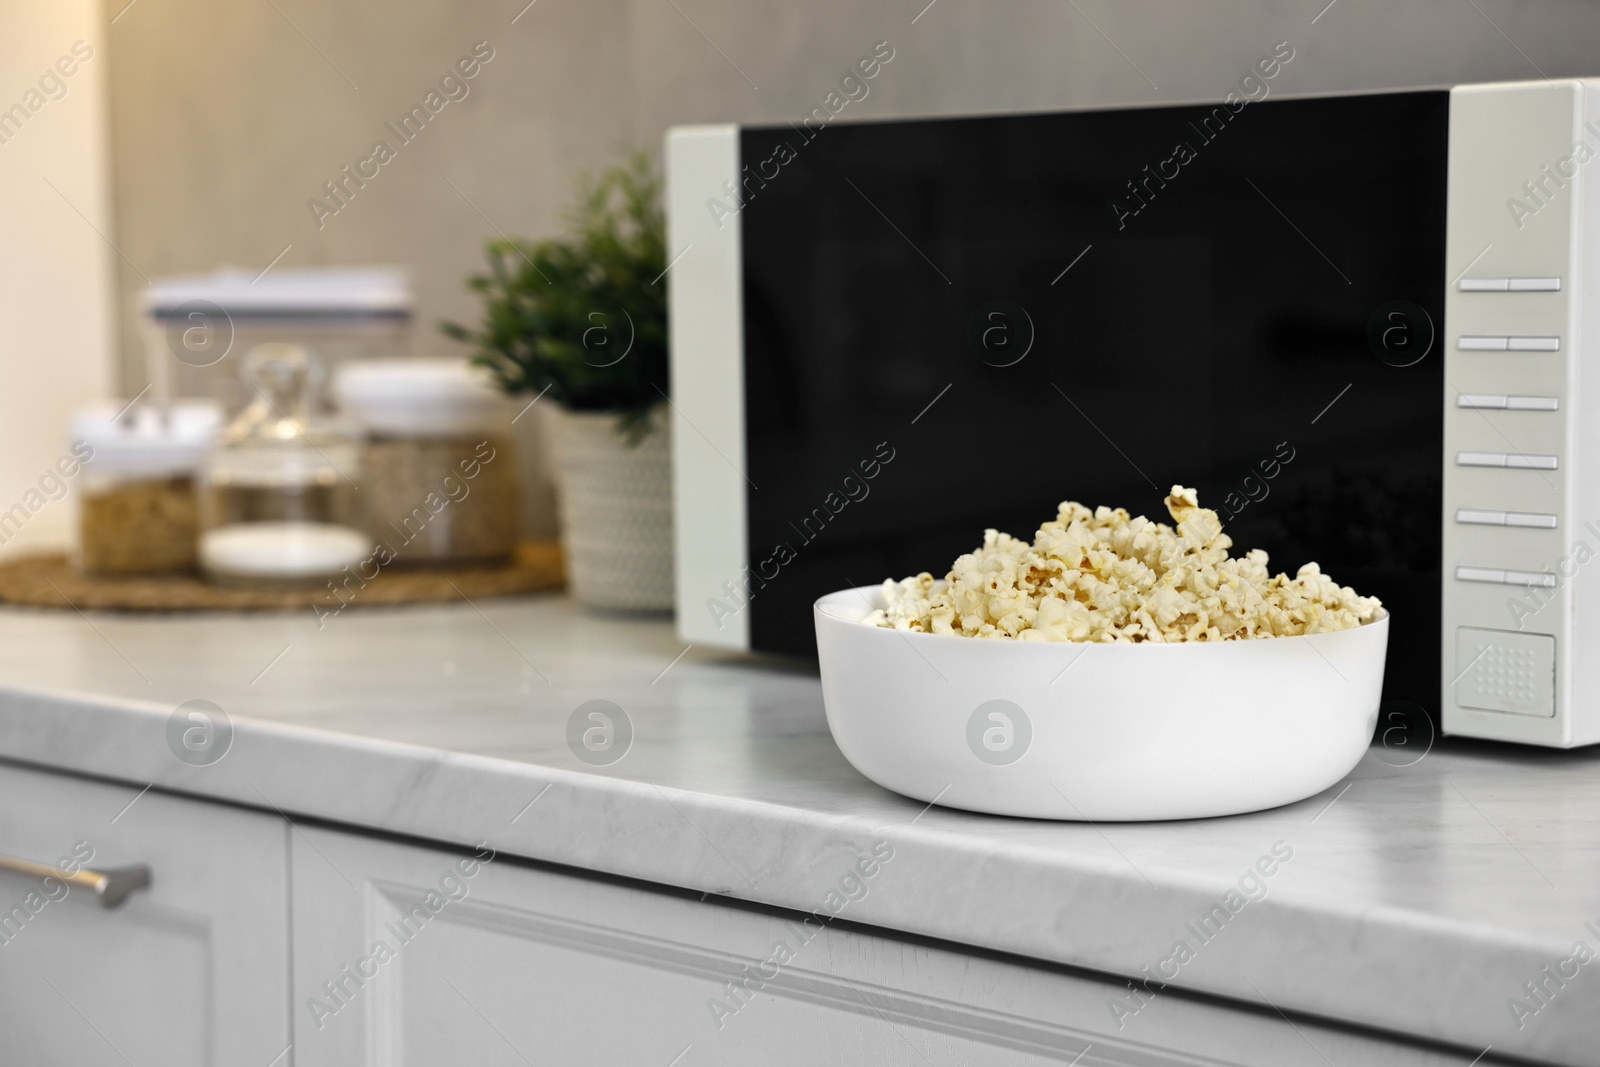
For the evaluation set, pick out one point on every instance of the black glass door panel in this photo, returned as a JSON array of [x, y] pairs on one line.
[[1094, 306]]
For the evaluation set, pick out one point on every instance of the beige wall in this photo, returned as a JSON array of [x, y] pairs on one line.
[[56, 280], [227, 117]]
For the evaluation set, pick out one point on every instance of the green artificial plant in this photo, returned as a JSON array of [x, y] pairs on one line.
[[584, 317]]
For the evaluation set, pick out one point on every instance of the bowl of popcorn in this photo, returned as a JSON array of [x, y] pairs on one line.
[[1113, 669]]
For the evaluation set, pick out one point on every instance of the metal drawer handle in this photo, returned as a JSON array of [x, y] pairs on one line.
[[110, 887]]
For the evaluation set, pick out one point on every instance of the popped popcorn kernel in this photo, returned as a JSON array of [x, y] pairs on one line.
[[1100, 575]]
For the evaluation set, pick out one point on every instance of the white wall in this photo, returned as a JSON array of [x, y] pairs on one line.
[[228, 117], [57, 312]]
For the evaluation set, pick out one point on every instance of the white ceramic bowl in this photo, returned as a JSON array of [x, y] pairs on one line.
[[1097, 732]]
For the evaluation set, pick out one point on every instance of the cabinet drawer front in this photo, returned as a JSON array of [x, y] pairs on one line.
[[412, 956], [189, 970]]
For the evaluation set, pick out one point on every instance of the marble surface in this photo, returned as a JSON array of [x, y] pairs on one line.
[[1421, 895]]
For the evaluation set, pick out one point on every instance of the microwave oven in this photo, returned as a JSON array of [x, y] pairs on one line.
[[1355, 323]]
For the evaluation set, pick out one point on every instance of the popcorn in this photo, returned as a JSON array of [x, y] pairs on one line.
[[1102, 576]]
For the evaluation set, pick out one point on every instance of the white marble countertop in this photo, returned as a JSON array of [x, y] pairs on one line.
[[1419, 899]]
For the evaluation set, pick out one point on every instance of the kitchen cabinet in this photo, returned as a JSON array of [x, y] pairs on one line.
[[405, 954], [190, 971], [414, 954]]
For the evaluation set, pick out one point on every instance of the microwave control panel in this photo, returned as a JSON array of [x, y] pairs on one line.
[[1516, 539]]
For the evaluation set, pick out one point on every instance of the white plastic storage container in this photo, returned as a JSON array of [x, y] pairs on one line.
[[197, 328]]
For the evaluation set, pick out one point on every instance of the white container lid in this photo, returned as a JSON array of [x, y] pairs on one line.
[[319, 293], [419, 397], [141, 443], [282, 550]]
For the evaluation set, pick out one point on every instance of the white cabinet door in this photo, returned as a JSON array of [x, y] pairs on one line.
[[419, 957], [189, 972]]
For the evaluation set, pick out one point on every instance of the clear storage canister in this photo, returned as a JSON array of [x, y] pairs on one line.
[[278, 503], [136, 466], [438, 478]]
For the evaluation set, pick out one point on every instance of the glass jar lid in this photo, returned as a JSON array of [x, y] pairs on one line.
[[276, 439]]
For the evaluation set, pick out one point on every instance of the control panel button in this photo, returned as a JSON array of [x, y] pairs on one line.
[[1533, 403], [1488, 284], [1532, 520], [1533, 344], [1481, 574], [1528, 461], [1498, 402], [1481, 344], [1506, 671], [1496, 576]]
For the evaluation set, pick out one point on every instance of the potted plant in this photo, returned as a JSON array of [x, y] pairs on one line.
[[582, 321]]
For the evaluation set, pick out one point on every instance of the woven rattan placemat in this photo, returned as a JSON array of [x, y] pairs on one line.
[[50, 581]]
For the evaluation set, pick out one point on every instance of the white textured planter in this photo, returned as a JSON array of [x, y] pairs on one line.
[[615, 503]]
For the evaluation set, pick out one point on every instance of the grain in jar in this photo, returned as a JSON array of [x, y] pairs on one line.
[[438, 478], [137, 507]]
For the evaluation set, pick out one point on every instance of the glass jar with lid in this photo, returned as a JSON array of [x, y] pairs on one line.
[[438, 478], [278, 506], [138, 512]]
